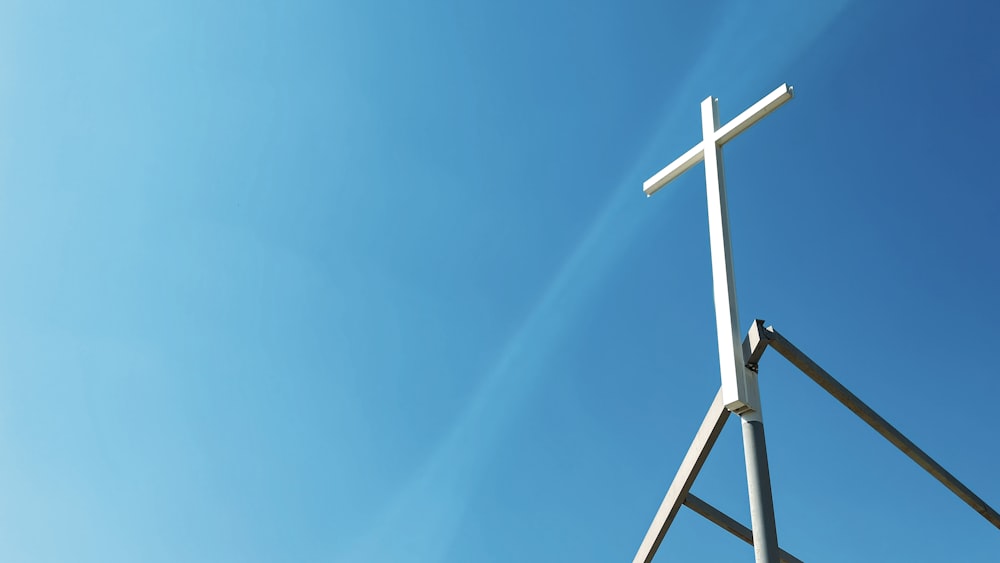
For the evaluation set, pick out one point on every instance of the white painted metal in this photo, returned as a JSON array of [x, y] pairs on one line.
[[739, 385], [737, 392]]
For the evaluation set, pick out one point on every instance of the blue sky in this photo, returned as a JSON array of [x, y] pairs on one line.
[[377, 282]]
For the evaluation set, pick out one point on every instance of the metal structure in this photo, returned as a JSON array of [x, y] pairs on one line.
[[738, 359]]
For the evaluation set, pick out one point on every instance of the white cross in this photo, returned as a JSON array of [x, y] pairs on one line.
[[739, 384]]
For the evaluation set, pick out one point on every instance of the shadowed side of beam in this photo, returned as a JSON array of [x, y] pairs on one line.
[[720, 519], [696, 455], [849, 400]]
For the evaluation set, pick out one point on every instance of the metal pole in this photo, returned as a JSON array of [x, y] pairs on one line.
[[765, 533]]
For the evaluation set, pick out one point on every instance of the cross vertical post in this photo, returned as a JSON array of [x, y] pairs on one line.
[[739, 393]]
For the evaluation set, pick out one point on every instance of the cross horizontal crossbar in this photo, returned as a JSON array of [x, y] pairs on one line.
[[723, 135]]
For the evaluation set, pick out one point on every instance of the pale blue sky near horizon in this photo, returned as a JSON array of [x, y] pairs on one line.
[[377, 282]]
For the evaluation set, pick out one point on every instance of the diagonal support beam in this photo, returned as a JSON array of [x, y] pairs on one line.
[[707, 434], [730, 525], [852, 402]]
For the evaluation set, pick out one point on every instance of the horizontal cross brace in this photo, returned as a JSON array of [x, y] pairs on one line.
[[730, 525]]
